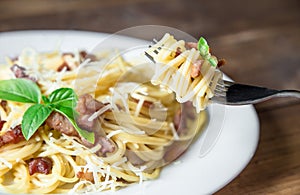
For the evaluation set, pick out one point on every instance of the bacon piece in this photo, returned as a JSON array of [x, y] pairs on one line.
[[1, 124], [84, 55], [107, 145], [88, 176], [19, 72], [88, 105], [196, 68], [84, 122], [221, 62], [40, 165], [13, 59], [178, 52], [68, 54], [3, 104], [177, 119], [64, 65], [59, 122], [181, 117], [12, 136]]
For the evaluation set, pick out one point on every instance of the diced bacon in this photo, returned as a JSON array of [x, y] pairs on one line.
[[196, 68], [68, 54], [88, 105], [177, 119], [3, 104], [221, 62], [12, 136], [84, 122], [40, 165], [182, 116], [64, 65], [107, 145], [19, 72], [178, 52], [84, 55], [59, 122], [88, 176]]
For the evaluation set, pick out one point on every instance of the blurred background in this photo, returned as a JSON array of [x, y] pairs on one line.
[[260, 40]]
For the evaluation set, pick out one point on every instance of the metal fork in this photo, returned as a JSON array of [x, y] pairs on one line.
[[231, 93]]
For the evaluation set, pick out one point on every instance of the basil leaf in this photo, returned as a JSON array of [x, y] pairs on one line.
[[70, 113], [33, 118], [64, 97], [203, 47], [213, 62], [20, 90]]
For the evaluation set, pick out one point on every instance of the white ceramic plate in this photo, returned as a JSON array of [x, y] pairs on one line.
[[192, 174]]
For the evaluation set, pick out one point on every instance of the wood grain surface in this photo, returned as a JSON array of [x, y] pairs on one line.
[[260, 40]]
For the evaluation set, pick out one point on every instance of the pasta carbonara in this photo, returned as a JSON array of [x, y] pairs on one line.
[[138, 128]]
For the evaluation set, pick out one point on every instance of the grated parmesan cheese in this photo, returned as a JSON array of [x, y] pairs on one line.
[[139, 107], [113, 133], [99, 112]]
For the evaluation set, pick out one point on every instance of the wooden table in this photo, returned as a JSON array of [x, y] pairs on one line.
[[260, 40]]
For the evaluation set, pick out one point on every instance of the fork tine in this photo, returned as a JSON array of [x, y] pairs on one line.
[[220, 90], [155, 51], [227, 84], [220, 94], [149, 57]]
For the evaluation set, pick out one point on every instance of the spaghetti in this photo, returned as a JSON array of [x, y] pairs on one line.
[[146, 127]]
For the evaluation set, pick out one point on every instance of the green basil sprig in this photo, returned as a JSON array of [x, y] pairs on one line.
[[62, 100], [203, 48]]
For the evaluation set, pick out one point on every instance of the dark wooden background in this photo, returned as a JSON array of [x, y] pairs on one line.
[[259, 38]]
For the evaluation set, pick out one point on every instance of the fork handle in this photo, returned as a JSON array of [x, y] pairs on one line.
[[254, 94], [288, 93]]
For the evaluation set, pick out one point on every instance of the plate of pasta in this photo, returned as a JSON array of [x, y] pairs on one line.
[[89, 112]]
